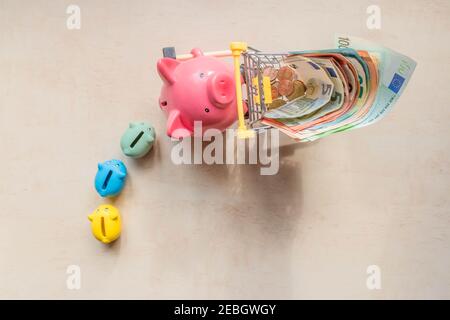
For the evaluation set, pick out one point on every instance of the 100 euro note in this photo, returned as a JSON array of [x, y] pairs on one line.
[[394, 71]]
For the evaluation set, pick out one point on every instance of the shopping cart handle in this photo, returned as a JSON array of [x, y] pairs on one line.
[[169, 52], [237, 48]]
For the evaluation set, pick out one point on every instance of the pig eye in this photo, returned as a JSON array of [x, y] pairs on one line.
[[206, 110], [163, 103]]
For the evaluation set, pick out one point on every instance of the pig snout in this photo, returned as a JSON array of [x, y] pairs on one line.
[[221, 90]]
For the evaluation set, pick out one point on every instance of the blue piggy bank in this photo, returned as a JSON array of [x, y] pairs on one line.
[[110, 178]]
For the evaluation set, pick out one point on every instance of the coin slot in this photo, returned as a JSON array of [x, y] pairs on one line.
[[103, 226], [108, 177], [139, 136]]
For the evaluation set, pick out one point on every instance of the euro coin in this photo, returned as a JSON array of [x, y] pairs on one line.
[[286, 73], [286, 87], [299, 90], [276, 104]]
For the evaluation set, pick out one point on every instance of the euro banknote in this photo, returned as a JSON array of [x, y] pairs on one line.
[[371, 79]]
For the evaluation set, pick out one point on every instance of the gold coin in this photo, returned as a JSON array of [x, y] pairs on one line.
[[299, 90], [276, 104]]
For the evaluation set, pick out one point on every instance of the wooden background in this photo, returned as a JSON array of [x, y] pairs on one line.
[[376, 196]]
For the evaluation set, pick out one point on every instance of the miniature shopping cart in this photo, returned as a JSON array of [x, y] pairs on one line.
[[250, 64], [258, 85]]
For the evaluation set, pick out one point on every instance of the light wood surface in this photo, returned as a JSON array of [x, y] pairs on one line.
[[375, 196]]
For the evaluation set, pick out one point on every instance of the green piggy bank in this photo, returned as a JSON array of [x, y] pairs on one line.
[[137, 141]]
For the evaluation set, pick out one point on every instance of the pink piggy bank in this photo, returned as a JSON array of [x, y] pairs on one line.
[[198, 89]]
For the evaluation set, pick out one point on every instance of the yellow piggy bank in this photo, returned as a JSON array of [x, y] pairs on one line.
[[105, 223]]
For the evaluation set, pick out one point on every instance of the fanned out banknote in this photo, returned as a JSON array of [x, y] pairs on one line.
[[351, 86]]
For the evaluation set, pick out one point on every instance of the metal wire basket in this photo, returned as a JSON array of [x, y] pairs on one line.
[[257, 88], [255, 62]]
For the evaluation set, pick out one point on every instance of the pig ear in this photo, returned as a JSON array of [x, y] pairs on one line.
[[150, 139], [175, 128], [114, 215], [221, 90], [196, 52], [166, 68]]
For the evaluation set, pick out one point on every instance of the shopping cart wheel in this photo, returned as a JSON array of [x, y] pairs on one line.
[[169, 52]]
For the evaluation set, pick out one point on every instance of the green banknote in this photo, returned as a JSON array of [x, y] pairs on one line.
[[394, 72]]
